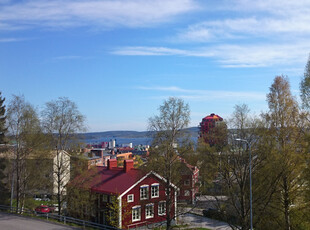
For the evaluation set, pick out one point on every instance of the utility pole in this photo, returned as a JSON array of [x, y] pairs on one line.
[[250, 172]]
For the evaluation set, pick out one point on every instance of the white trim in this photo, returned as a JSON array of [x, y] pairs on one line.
[[175, 204], [151, 172], [120, 212], [153, 186], [161, 202], [133, 198], [146, 187], [136, 207], [150, 205]]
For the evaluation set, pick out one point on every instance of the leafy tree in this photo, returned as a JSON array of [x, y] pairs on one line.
[[167, 127], [81, 201], [62, 120], [305, 87], [228, 164], [284, 127], [27, 136]]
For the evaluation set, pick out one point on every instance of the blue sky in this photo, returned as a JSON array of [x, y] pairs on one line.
[[118, 60]]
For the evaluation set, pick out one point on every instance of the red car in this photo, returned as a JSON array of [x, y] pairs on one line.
[[43, 209]]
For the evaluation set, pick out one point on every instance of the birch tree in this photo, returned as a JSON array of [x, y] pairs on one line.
[[284, 129], [62, 120], [174, 116], [27, 136]]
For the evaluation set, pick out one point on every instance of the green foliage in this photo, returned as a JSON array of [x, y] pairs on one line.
[[3, 127], [305, 87], [167, 129], [26, 134]]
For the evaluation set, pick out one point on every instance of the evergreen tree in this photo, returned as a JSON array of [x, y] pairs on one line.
[[3, 128], [4, 192]]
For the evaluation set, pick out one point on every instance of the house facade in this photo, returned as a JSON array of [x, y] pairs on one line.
[[140, 197], [189, 182]]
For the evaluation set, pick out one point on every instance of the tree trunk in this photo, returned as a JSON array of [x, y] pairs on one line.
[[286, 203]]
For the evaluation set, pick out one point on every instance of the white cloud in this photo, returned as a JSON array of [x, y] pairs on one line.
[[105, 13], [207, 95], [257, 55], [271, 28], [11, 39], [147, 51]]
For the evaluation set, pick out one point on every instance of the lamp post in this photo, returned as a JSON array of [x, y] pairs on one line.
[[250, 171]]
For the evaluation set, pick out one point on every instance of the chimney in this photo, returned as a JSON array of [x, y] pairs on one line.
[[128, 164], [112, 163]]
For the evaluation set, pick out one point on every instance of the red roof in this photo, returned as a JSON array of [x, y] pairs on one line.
[[213, 116], [104, 180]]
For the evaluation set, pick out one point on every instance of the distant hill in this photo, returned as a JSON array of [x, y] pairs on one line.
[[193, 131]]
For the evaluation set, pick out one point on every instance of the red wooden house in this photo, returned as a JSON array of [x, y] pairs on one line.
[[141, 197], [189, 182]]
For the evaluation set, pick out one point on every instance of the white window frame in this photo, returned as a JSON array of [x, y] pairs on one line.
[[136, 213], [187, 193], [130, 198], [149, 211], [187, 182], [153, 186], [144, 195], [162, 208]]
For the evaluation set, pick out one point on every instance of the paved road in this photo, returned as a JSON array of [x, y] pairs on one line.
[[194, 220], [15, 222]]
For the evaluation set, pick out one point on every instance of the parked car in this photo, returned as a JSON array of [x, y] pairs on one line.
[[43, 209]]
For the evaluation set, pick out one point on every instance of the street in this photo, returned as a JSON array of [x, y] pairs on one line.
[[194, 220], [15, 222]]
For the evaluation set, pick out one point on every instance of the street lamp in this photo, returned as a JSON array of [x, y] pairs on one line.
[[250, 169]]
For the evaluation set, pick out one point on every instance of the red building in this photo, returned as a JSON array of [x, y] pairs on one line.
[[189, 182], [141, 197], [208, 128]]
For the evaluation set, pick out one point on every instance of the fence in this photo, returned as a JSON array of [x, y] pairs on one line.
[[64, 219]]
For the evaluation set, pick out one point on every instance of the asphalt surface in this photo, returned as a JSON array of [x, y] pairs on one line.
[[15, 222], [194, 220]]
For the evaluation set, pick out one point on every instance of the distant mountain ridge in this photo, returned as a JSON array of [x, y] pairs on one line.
[[193, 131]]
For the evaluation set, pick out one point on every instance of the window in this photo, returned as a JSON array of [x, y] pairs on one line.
[[155, 190], [130, 198], [149, 211], [187, 193], [105, 198], [144, 192], [162, 208], [186, 182], [136, 213]]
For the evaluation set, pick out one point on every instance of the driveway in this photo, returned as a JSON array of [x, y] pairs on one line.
[[15, 222], [194, 220]]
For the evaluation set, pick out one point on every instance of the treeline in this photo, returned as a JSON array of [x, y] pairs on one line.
[[276, 147], [32, 144]]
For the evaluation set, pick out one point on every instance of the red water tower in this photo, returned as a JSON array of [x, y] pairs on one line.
[[208, 128]]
